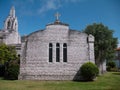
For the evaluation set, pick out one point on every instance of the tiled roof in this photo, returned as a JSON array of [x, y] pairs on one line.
[[118, 49]]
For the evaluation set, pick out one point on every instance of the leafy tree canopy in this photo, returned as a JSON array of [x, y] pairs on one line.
[[105, 43], [7, 53]]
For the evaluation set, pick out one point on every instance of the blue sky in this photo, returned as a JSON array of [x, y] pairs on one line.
[[36, 14]]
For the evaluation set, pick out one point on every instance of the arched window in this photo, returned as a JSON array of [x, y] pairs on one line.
[[8, 25], [50, 52], [57, 52], [64, 52], [18, 58], [15, 26]]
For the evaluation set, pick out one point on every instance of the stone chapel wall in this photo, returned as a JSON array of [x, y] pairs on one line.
[[35, 62]]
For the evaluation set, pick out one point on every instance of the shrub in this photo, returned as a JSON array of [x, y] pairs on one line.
[[108, 68], [11, 70], [111, 66], [114, 69], [2, 70], [89, 71]]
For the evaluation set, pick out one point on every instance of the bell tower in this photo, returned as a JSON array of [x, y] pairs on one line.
[[11, 29], [11, 23]]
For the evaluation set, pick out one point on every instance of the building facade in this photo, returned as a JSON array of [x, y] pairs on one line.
[[55, 53]]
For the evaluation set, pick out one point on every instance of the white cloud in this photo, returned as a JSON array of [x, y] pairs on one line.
[[55, 4], [50, 5], [43, 6]]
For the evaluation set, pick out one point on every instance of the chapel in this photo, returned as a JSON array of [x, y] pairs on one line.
[[55, 53]]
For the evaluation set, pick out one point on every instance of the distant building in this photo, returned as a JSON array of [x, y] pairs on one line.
[[118, 57]]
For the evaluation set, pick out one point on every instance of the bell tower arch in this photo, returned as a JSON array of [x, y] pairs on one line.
[[11, 29], [11, 23]]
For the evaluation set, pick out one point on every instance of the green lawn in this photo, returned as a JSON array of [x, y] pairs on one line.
[[108, 81]]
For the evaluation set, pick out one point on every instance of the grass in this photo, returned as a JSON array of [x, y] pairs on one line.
[[108, 81]]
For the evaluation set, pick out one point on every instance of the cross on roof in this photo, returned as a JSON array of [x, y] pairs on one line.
[[57, 15]]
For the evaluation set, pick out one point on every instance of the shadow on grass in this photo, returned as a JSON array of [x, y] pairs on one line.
[[87, 81], [2, 78], [116, 73]]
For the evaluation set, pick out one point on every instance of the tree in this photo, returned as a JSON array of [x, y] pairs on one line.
[[11, 70], [7, 55], [105, 43]]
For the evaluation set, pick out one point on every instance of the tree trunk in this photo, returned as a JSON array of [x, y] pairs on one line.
[[101, 66]]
